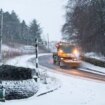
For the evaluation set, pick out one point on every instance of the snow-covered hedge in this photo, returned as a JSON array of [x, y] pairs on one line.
[[20, 89], [97, 56], [17, 82], [94, 61], [8, 72]]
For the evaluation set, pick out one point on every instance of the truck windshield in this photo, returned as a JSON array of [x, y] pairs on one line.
[[67, 49]]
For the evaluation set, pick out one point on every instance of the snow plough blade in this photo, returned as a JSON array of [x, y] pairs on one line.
[[72, 63]]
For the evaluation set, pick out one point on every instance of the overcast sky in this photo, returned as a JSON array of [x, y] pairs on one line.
[[49, 13]]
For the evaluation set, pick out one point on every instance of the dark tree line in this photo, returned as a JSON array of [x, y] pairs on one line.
[[85, 24], [16, 31]]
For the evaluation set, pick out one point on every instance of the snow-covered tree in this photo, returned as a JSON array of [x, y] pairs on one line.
[[35, 31], [85, 24]]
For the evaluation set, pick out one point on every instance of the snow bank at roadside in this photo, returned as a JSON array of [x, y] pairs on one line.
[[95, 55], [92, 68]]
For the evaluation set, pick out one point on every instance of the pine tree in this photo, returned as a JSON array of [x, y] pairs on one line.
[[15, 31], [35, 31], [24, 32]]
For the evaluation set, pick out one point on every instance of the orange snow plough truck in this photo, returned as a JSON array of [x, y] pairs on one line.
[[67, 54]]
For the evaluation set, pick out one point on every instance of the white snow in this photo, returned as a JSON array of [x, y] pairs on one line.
[[17, 50], [27, 49], [73, 91], [8, 48]]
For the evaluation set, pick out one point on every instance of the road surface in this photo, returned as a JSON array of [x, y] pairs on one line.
[[47, 61]]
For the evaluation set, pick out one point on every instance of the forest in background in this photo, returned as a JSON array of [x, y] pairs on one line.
[[85, 24], [16, 31]]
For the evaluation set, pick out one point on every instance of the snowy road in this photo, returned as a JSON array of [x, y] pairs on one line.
[[74, 90], [86, 70]]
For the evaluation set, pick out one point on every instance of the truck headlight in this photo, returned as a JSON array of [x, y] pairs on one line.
[[60, 51], [76, 53]]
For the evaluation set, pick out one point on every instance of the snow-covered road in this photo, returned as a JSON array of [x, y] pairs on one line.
[[73, 91]]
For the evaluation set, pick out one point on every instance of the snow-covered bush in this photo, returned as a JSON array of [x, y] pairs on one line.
[[18, 82], [20, 89]]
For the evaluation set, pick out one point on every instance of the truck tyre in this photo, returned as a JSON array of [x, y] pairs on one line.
[[54, 62], [60, 64]]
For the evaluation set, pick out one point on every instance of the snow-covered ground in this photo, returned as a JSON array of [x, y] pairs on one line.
[[73, 91], [8, 48], [24, 49]]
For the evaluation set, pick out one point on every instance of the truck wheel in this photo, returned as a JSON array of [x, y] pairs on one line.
[[54, 62], [57, 63], [60, 64], [54, 59]]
